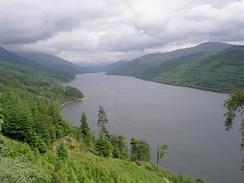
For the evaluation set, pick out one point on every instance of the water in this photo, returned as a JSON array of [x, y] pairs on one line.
[[189, 120]]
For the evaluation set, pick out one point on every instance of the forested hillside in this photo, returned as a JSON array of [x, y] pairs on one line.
[[38, 145], [215, 70], [52, 62]]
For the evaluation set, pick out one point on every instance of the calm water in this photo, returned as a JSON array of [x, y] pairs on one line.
[[189, 120]]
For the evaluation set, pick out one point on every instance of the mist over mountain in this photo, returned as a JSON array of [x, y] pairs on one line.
[[52, 62]]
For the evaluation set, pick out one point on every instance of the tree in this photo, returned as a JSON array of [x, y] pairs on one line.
[[1, 119], [162, 153], [103, 147], [120, 149], [102, 122], [140, 150], [85, 130], [235, 104], [62, 152]]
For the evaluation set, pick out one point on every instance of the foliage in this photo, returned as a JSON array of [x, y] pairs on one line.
[[1, 119], [85, 131], [233, 105], [102, 122], [140, 150], [104, 147], [16, 170], [32, 119], [120, 148], [217, 71], [62, 152], [81, 166]]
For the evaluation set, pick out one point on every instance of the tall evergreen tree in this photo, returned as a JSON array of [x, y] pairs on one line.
[[120, 148], [140, 150], [103, 147], [102, 122], [85, 130]]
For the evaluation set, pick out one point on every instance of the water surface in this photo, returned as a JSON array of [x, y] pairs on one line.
[[189, 120]]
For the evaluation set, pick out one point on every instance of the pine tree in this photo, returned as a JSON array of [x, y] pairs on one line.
[[120, 149], [140, 150], [62, 152], [85, 130], [102, 122], [103, 147]]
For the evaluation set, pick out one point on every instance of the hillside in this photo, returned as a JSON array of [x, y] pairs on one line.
[[139, 66], [81, 166], [216, 70], [7, 57], [38, 145], [52, 62]]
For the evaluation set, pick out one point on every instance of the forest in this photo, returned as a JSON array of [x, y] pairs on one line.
[[37, 144]]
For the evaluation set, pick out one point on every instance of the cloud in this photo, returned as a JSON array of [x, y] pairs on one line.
[[110, 30]]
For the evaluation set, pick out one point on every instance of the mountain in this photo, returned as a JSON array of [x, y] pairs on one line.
[[10, 57], [139, 66], [214, 70], [52, 62], [12, 60]]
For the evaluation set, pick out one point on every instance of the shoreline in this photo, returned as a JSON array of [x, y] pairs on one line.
[[70, 102]]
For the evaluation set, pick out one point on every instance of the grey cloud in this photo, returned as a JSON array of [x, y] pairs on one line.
[[85, 30]]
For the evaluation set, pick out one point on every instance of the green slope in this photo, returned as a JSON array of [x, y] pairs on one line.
[[20, 164], [52, 62], [11, 58], [138, 67], [221, 71], [32, 130]]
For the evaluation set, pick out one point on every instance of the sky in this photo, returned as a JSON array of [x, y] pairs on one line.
[[93, 31]]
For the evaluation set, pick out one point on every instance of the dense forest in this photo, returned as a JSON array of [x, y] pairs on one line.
[[38, 145]]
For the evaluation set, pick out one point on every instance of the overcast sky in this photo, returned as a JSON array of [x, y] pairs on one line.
[[111, 30]]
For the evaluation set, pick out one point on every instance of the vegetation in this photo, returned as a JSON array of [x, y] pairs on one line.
[[162, 153], [140, 150], [85, 131], [235, 105], [215, 70], [38, 145]]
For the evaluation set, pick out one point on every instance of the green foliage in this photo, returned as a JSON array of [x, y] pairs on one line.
[[62, 152], [102, 122], [103, 147], [85, 130], [217, 71], [120, 148], [233, 105], [18, 171], [32, 119], [1, 119], [140, 150], [163, 151]]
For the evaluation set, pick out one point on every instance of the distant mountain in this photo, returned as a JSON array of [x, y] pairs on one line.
[[52, 62], [14, 59], [139, 66], [10, 57], [218, 70]]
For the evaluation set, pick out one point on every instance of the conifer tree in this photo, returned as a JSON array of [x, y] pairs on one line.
[[103, 147], [140, 150], [62, 152], [102, 122], [85, 130]]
